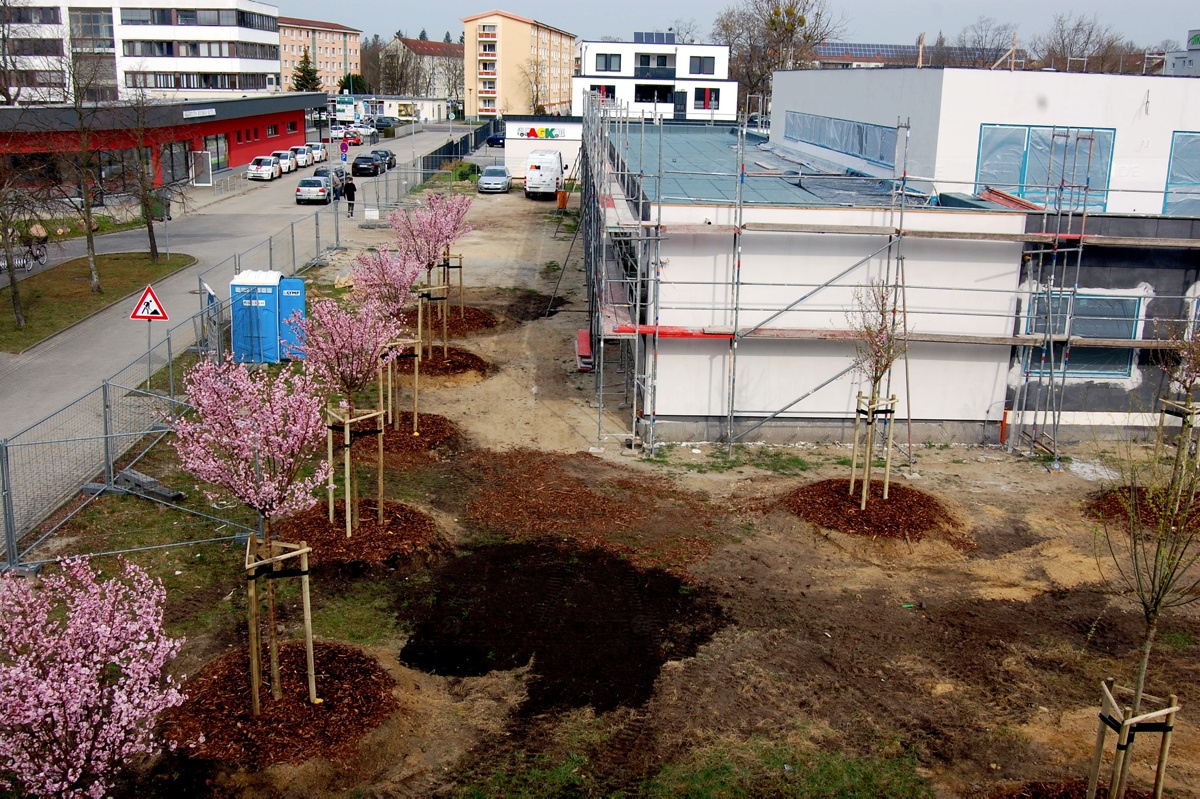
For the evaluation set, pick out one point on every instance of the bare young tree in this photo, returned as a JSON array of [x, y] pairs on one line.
[[22, 206], [1078, 42], [985, 40], [534, 76], [686, 30], [768, 35]]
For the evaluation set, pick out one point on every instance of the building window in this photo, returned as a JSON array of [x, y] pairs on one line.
[[1183, 176], [185, 17], [608, 62], [272, 131], [702, 65], [218, 147], [1092, 316], [92, 30], [874, 143], [708, 98], [239, 137], [33, 15], [291, 127], [1032, 162], [651, 93], [38, 78], [35, 47], [607, 92]]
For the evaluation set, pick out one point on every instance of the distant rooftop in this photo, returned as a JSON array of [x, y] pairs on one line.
[[907, 53]]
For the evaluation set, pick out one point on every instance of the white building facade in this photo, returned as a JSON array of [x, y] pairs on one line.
[[656, 77], [1132, 140], [110, 51]]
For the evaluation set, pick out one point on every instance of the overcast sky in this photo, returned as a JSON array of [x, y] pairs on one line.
[[867, 21]]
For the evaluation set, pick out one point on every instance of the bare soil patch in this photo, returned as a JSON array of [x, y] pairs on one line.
[[594, 629], [1075, 789], [907, 513], [356, 692], [404, 532]]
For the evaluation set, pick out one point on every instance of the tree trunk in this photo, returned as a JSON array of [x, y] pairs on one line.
[[18, 312], [272, 637], [1147, 647], [85, 194], [150, 236]]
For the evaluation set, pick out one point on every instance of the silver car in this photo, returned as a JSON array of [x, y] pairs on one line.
[[314, 190], [495, 178]]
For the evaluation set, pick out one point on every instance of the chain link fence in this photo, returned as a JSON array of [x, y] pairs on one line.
[[116, 424]]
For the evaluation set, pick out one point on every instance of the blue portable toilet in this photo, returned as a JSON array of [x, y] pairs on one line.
[[254, 316], [291, 300]]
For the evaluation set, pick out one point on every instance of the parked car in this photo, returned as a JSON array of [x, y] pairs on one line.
[[496, 140], [303, 155], [319, 150], [335, 174], [494, 178], [366, 164], [286, 161], [336, 132], [314, 190], [351, 137], [363, 129], [264, 167], [387, 157], [382, 123]]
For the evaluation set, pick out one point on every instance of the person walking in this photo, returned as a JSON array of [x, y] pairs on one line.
[[348, 191]]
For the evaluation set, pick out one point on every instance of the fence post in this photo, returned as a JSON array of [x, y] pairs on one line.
[[108, 459], [170, 374], [317, 218], [293, 249], [337, 232], [271, 253], [10, 518]]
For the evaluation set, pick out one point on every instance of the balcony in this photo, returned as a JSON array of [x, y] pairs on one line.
[[488, 56], [486, 36], [654, 73], [487, 112], [486, 92], [483, 73]]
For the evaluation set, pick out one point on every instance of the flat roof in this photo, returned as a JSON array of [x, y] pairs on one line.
[[121, 115], [700, 167]]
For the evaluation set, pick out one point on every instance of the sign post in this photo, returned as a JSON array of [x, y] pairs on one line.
[[345, 149], [148, 308]]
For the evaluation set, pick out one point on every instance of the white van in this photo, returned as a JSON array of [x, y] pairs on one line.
[[544, 173]]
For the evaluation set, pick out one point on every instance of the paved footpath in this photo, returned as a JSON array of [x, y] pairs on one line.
[[66, 366]]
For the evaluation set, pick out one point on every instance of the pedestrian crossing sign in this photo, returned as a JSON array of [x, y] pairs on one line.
[[148, 308]]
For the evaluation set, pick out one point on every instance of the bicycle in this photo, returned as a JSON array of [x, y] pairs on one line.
[[31, 253]]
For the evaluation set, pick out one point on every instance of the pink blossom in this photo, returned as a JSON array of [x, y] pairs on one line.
[[386, 277], [428, 230], [345, 348], [879, 335], [82, 677], [253, 434]]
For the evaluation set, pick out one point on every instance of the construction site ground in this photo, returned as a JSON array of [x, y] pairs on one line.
[[593, 622]]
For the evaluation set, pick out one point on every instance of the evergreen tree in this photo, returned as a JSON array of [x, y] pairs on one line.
[[447, 39], [424, 36], [305, 77], [355, 84], [462, 38]]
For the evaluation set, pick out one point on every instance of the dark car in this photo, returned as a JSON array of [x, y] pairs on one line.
[[335, 174], [382, 123], [496, 140], [387, 157], [366, 164]]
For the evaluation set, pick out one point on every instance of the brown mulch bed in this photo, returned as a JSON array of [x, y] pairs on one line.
[[523, 495], [356, 690], [1113, 506], [456, 362], [474, 320], [435, 432], [405, 531], [1075, 789], [907, 513]]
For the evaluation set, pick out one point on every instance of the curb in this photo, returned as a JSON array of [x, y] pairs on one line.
[[99, 311]]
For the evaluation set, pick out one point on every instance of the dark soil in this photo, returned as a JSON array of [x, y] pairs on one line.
[[596, 629], [1076, 789], [907, 513], [472, 321], [526, 494], [436, 437], [455, 362], [356, 693], [1150, 506], [405, 531]]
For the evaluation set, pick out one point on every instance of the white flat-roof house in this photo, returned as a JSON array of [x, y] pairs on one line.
[[657, 77]]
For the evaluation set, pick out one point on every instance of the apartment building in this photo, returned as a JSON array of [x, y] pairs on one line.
[[432, 69], [656, 77], [515, 65], [333, 48], [111, 51]]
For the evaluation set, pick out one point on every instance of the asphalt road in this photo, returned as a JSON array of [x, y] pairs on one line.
[[58, 370]]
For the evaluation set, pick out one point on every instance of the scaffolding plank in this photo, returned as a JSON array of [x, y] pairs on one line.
[[776, 227], [1129, 241]]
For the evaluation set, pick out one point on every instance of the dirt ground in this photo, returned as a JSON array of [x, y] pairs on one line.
[[980, 653]]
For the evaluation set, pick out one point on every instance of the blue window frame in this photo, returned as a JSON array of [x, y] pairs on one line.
[[1182, 196], [1025, 160], [1094, 316]]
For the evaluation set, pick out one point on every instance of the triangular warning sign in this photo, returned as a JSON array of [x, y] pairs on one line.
[[148, 308]]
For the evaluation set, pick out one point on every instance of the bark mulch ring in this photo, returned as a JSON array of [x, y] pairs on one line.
[[1113, 506], [523, 494], [405, 531], [906, 514], [473, 321], [438, 437], [356, 690], [456, 362], [1075, 789], [596, 629]]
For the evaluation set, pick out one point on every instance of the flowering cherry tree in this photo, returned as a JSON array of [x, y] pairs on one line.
[[82, 677], [427, 231], [386, 277], [254, 434]]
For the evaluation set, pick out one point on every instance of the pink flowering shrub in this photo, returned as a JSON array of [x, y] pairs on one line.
[[254, 434], [427, 231], [345, 348], [386, 277], [82, 677], [878, 333]]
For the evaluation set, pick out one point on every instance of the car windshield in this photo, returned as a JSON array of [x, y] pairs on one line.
[[494, 172], [262, 161]]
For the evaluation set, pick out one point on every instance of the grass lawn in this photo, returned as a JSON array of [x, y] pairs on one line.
[[61, 296], [71, 227]]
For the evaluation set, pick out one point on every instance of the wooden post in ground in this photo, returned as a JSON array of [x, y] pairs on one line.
[[255, 643], [854, 450], [308, 633], [416, 387], [1107, 707], [1117, 780], [379, 436], [329, 440], [869, 447], [887, 464], [1164, 748], [276, 678], [346, 441]]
